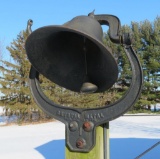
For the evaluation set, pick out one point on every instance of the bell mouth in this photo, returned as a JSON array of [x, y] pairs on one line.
[[57, 53]]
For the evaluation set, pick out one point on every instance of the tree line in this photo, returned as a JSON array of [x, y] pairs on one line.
[[18, 100]]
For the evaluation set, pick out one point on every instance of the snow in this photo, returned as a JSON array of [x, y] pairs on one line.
[[28, 141], [135, 127], [1, 110], [19, 142]]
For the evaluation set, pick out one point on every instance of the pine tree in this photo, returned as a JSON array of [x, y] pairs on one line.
[[17, 98], [146, 43], [124, 77], [151, 60]]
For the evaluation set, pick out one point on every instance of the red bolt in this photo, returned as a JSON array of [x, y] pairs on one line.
[[80, 143], [87, 126]]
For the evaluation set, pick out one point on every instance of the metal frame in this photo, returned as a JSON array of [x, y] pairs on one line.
[[81, 123]]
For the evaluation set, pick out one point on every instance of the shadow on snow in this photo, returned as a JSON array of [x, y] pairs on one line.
[[120, 148]]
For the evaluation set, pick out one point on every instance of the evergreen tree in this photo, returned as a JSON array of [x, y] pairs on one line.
[[124, 77], [146, 43], [69, 98], [17, 98], [150, 60]]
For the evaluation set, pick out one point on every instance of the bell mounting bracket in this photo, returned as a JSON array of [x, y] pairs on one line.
[[80, 123]]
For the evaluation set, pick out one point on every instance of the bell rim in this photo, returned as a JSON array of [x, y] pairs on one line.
[[57, 28]]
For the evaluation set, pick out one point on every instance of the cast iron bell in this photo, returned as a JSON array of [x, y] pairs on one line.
[[73, 55]]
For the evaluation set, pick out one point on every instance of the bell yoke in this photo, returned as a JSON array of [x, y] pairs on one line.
[[73, 56]]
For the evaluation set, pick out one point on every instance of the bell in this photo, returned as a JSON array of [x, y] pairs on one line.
[[71, 53]]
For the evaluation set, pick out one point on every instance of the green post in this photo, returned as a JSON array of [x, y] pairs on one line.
[[96, 153]]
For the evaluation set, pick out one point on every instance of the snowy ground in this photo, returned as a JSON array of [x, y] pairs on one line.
[[1, 110], [46, 141]]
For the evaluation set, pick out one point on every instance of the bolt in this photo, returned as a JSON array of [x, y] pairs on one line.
[[87, 126], [73, 126], [80, 143]]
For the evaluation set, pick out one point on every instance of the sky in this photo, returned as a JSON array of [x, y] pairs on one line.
[[14, 14]]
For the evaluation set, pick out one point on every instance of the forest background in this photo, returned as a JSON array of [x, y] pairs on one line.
[[17, 99]]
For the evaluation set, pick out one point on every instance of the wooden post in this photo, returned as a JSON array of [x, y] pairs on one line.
[[96, 153]]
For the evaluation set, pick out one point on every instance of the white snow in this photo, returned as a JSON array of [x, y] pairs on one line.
[[1, 110], [19, 142], [135, 127]]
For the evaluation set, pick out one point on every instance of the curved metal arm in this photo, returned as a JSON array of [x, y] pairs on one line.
[[120, 107], [95, 116], [114, 26], [77, 119]]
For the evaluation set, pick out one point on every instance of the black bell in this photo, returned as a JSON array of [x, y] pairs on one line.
[[73, 55]]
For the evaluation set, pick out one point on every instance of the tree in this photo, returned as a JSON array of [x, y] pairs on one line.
[[150, 60], [124, 77], [146, 43], [17, 98]]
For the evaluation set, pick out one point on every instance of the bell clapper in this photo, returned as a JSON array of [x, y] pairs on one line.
[[87, 86]]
